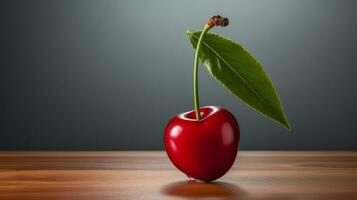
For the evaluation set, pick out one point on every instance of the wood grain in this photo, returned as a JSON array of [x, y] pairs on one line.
[[150, 175]]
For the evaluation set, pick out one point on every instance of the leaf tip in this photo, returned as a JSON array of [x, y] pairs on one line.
[[286, 124]]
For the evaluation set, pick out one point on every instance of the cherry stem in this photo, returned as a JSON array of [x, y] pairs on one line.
[[214, 21], [195, 71]]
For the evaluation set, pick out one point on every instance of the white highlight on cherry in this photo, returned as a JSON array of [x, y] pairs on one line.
[[229, 134]]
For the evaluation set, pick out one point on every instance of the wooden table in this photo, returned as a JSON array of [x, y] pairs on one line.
[[150, 175]]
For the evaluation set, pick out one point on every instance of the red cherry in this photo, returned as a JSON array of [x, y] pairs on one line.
[[203, 149]]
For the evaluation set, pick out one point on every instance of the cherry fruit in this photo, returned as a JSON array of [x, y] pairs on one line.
[[203, 149]]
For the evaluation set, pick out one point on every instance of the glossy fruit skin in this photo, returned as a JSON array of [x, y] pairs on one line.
[[204, 149]]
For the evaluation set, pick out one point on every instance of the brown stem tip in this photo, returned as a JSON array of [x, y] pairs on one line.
[[218, 21]]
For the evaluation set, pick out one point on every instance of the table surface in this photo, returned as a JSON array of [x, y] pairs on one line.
[[262, 175]]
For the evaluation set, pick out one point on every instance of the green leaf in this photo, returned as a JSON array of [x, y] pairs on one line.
[[232, 65]]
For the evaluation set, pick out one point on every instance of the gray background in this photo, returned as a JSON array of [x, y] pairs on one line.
[[108, 75]]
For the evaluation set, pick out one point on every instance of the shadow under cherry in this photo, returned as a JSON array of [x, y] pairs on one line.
[[198, 189]]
